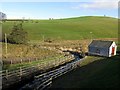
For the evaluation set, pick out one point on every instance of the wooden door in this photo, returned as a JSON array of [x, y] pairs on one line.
[[113, 50]]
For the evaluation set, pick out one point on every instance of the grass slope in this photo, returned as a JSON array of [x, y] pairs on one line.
[[100, 73], [69, 29]]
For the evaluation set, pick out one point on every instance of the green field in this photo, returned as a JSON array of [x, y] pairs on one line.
[[69, 29], [94, 72]]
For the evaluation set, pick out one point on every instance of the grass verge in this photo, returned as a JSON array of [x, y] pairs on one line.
[[92, 73]]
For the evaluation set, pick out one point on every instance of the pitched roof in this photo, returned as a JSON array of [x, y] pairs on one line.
[[100, 43]]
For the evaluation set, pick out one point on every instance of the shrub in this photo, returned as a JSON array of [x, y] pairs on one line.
[[18, 35]]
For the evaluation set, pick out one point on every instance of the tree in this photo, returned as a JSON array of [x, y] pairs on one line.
[[18, 35]]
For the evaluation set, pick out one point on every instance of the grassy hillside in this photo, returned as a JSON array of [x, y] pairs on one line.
[[69, 29], [94, 72]]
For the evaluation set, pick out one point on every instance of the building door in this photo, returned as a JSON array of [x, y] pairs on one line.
[[113, 50]]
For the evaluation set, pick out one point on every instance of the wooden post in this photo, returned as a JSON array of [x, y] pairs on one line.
[[49, 64], [21, 60], [54, 62], [41, 66], [51, 81], [6, 74], [11, 62], [6, 44], [58, 60], [36, 59], [38, 65], [29, 60], [45, 64], [20, 72]]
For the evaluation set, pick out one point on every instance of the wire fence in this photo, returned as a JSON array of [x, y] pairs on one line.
[[12, 61]]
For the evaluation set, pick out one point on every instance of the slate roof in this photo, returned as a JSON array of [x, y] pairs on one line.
[[100, 43]]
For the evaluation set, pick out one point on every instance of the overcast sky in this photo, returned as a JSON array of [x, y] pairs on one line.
[[39, 9]]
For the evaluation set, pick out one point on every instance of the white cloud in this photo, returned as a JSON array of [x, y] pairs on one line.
[[99, 4]]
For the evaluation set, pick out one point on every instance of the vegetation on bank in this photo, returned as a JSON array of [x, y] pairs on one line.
[[34, 62], [21, 51]]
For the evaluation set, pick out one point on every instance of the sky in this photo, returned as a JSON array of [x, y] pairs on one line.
[[35, 9]]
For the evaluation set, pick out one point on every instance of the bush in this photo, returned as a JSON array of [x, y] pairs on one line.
[[18, 35]]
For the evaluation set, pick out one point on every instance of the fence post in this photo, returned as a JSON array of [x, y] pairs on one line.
[[54, 62], [11, 62], [62, 60], [20, 72], [43, 65], [36, 58], [29, 60], [59, 61], [50, 63], [6, 72], [51, 81], [38, 65], [65, 59], [47, 65], [21, 60]]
